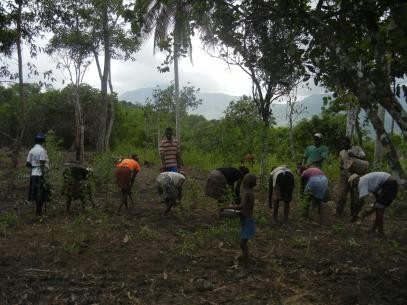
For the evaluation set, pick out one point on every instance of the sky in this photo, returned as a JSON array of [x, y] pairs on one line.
[[205, 72]]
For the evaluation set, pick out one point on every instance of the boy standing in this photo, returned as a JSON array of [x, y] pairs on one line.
[[37, 160], [247, 223]]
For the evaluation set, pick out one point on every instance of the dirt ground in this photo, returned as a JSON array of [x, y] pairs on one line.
[[190, 256]]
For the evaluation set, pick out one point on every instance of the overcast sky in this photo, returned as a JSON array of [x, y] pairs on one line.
[[207, 73]]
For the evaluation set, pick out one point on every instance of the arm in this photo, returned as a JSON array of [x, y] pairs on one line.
[[237, 190], [133, 177], [270, 191]]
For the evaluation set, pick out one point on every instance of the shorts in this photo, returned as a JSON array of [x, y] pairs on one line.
[[247, 228], [386, 194], [317, 186], [173, 169], [216, 185], [123, 177], [284, 187]]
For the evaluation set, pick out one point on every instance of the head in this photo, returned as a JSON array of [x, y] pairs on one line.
[[318, 138], [243, 170], [168, 133], [135, 157], [39, 138], [249, 181], [353, 180], [346, 143]]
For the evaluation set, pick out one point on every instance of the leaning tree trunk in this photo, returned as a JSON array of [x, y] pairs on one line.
[[386, 142], [378, 152]]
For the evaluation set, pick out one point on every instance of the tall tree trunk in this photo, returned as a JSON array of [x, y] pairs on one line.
[[378, 152], [264, 154], [176, 83], [21, 122], [111, 113], [79, 128], [381, 134], [358, 130], [290, 105], [101, 145], [351, 117]]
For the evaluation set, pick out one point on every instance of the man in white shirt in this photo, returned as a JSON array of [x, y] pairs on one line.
[[382, 185], [37, 160], [169, 185]]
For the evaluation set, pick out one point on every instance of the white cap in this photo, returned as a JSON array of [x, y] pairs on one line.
[[318, 135]]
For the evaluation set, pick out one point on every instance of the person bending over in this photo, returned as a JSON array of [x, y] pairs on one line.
[[221, 178], [169, 185], [281, 186], [314, 187], [126, 172], [383, 186]]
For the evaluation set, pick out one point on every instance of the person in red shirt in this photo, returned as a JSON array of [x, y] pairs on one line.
[[126, 172]]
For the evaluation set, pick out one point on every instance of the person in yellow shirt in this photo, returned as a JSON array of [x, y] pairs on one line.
[[126, 172]]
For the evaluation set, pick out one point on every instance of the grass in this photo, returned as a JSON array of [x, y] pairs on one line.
[[192, 241], [8, 221]]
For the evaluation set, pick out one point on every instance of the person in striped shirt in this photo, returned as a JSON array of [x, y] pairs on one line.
[[170, 152]]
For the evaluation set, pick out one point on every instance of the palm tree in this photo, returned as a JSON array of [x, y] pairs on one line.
[[169, 20]]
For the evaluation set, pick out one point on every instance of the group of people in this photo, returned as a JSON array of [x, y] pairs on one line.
[[354, 178], [225, 183]]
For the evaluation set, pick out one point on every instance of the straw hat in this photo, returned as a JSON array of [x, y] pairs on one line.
[[352, 178]]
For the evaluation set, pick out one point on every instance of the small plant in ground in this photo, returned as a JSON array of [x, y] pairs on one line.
[[8, 221], [191, 241], [299, 242], [77, 235], [352, 243], [146, 233], [338, 228]]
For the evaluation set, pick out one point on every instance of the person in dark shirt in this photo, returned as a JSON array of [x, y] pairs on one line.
[[223, 177]]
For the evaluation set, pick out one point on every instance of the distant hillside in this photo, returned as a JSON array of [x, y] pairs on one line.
[[214, 104]]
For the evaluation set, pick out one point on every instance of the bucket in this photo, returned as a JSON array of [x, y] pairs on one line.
[[229, 213]]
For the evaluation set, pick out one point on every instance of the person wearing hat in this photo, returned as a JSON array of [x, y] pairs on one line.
[[346, 155], [126, 172], [382, 185], [315, 154], [169, 185], [38, 162]]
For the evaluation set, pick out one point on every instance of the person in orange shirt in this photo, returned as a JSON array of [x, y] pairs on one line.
[[126, 172]]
